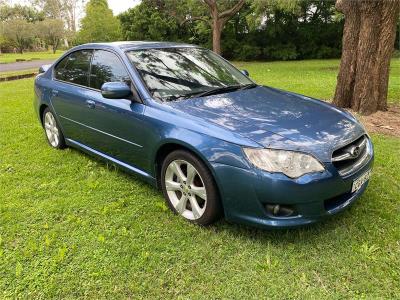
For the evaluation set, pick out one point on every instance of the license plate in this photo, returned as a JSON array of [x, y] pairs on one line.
[[358, 183]]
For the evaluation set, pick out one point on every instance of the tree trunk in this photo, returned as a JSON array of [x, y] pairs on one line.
[[368, 42], [219, 19], [389, 20], [364, 98], [217, 39], [217, 31], [345, 80]]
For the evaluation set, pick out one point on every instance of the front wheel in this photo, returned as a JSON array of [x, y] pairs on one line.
[[189, 188]]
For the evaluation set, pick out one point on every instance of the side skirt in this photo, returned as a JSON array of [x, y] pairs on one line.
[[147, 177]]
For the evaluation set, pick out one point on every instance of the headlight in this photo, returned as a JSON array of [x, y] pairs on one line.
[[292, 164]]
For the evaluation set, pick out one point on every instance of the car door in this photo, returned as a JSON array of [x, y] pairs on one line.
[[118, 124], [69, 95]]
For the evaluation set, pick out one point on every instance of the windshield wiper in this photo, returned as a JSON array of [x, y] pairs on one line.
[[248, 86], [217, 91], [212, 91]]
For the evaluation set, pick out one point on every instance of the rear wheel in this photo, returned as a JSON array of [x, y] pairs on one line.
[[189, 188], [53, 130]]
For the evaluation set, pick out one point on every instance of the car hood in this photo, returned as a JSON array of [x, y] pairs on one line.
[[277, 119]]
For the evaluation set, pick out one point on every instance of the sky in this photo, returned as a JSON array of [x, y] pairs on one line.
[[117, 6]]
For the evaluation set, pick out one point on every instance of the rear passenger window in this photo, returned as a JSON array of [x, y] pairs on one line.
[[106, 67], [75, 68]]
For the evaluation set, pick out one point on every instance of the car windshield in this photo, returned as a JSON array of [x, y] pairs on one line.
[[176, 73]]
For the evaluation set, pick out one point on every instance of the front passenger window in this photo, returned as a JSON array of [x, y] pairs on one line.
[[106, 67]]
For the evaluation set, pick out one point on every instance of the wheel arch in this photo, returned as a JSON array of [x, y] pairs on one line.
[[41, 111], [173, 145]]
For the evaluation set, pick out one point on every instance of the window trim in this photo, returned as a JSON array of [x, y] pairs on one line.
[[66, 56], [120, 60], [133, 85]]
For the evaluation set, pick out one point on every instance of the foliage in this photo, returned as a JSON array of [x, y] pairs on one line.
[[286, 34], [144, 22], [75, 227], [51, 31], [17, 11], [20, 32], [65, 10], [263, 29], [99, 24]]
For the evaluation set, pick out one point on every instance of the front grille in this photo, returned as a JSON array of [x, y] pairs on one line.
[[353, 156]]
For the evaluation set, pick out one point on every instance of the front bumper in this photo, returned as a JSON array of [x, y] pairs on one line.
[[246, 192]]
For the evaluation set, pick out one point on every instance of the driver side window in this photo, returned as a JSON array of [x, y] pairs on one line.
[[107, 67]]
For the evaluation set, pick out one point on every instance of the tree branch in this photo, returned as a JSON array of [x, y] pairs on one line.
[[211, 3], [230, 12], [204, 19]]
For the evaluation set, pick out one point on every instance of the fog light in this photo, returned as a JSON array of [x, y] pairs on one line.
[[279, 210]]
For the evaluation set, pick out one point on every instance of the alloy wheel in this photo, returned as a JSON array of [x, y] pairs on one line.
[[52, 132], [186, 190]]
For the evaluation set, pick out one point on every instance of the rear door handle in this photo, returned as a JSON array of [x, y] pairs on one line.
[[54, 92], [90, 103]]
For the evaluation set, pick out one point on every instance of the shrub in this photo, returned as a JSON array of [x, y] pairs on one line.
[[281, 52]]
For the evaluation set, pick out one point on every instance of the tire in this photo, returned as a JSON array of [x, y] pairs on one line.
[[52, 130], [182, 192]]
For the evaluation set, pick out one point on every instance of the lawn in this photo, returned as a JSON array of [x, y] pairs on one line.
[[11, 57], [72, 226], [315, 78], [19, 72]]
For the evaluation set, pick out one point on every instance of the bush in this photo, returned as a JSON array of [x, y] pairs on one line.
[[247, 52], [281, 52], [327, 52]]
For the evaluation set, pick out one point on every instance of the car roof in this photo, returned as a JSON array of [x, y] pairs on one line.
[[128, 45]]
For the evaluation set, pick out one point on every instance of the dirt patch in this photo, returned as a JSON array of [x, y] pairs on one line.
[[384, 122]]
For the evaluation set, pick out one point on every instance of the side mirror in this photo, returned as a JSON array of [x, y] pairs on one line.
[[245, 72], [44, 68], [115, 90]]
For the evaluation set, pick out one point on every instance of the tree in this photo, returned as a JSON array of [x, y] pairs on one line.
[[51, 31], [368, 42], [219, 14], [27, 13], [219, 20], [20, 32], [3, 39], [146, 22], [99, 24], [65, 10]]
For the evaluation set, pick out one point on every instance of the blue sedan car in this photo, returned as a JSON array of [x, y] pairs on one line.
[[215, 142]]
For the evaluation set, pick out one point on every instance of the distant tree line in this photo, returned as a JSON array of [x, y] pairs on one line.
[[267, 30], [39, 25], [238, 29]]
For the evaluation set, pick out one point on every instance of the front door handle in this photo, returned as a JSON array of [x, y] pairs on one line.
[[90, 104], [54, 92]]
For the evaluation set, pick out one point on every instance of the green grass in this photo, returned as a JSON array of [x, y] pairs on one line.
[[72, 226], [11, 57], [19, 72], [315, 78]]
